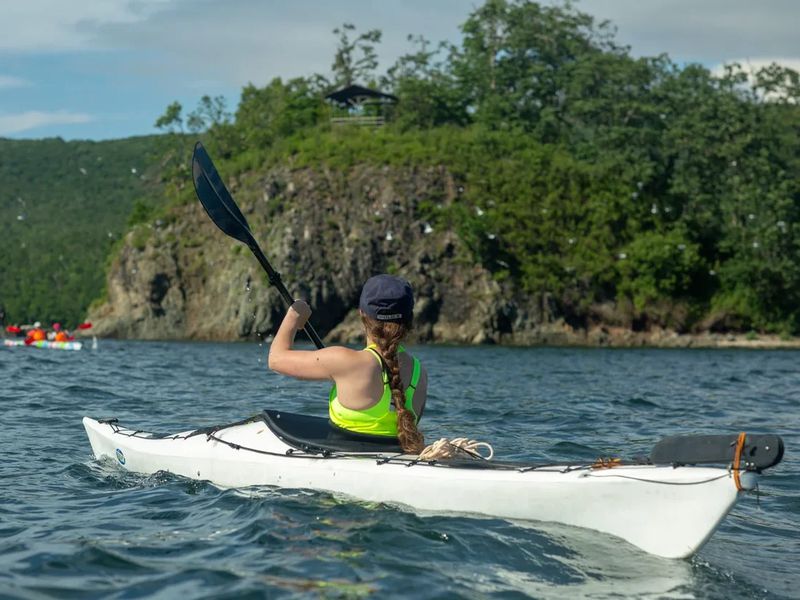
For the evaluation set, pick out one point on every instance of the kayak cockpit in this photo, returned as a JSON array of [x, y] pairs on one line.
[[318, 434]]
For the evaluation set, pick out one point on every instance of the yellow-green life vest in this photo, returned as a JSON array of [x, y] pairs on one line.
[[379, 419]]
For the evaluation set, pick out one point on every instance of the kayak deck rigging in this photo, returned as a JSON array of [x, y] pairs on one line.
[[315, 437], [665, 509]]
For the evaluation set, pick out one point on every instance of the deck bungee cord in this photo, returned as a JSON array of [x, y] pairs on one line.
[[287, 450], [452, 457]]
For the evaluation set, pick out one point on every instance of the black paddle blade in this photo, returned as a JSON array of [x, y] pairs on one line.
[[216, 199], [222, 209]]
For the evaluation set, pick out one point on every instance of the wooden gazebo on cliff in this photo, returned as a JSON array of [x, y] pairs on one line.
[[358, 105]]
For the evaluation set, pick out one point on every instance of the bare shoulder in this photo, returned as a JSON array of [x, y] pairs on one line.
[[340, 356], [325, 363]]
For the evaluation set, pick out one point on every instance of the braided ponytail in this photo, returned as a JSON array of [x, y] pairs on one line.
[[387, 336]]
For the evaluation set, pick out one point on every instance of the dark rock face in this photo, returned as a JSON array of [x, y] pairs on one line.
[[327, 232]]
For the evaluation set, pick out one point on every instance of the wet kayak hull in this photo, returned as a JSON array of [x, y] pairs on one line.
[[664, 510]]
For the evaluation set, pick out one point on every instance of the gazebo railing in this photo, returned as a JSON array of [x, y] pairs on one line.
[[374, 121]]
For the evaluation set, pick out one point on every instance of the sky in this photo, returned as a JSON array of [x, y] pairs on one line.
[[101, 69]]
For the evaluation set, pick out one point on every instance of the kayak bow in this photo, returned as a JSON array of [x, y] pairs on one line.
[[665, 509]]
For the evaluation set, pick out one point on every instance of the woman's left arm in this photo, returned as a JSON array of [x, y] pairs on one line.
[[303, 364]]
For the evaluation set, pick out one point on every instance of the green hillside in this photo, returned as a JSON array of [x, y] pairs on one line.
[[617, 190], [62, 206], [621, 190]]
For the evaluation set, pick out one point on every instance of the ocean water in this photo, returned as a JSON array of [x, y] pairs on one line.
[[72, 527]]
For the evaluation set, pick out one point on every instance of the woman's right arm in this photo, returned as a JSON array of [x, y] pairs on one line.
[[325, 363]]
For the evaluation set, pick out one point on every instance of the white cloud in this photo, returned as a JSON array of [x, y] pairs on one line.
[[232, 42], [751, 65], [7, 81], [707, 31], [55, 25], [16, 123], [255, 41], [242, 39]]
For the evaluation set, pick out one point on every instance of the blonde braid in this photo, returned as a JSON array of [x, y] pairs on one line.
[[387, 336]]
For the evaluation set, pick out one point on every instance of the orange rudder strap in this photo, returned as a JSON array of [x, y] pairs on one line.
[[737, 458]]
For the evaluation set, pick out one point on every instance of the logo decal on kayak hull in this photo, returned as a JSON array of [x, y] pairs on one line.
[[120, 457]]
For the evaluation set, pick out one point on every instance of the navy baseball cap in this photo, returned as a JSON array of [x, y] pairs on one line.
[[387, 298]]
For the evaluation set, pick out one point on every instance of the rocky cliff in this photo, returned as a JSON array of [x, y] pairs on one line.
[[326, 231]]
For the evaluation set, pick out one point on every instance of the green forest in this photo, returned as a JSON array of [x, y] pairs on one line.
[[585, 174], [63, 207]]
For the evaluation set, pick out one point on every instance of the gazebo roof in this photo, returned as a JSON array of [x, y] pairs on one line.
[[356, 94]]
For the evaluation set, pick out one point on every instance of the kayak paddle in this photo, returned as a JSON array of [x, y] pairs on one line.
[[222, 209]]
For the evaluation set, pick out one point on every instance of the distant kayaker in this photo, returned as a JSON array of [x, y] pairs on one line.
[[36, 334], [369, 383], [60, 334]]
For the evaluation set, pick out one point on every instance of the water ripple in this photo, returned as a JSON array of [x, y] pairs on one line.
[[74, 527]]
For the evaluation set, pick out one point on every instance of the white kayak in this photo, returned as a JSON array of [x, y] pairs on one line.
[[664, 509], [43, 344]]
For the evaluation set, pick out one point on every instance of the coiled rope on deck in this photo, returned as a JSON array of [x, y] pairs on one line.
[[444, 448]]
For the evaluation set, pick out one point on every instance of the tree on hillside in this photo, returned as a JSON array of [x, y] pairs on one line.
[[171, 121], [355, 59], [429, 91], [210, 112], [278, 110], [585, 174]]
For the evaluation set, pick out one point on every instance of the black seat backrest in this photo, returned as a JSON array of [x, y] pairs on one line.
[[317, 433]]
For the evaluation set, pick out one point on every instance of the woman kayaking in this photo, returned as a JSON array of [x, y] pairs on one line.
[[369, 383]]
